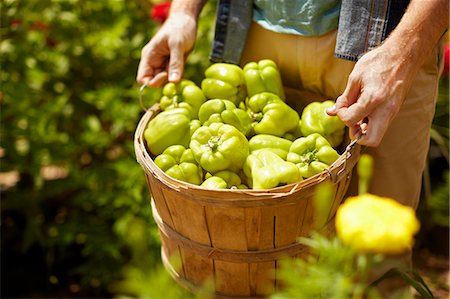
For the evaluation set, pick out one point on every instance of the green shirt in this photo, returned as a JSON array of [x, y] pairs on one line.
[[302, 17]]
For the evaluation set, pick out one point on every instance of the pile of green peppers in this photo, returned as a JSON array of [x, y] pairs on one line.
[[235, 131]]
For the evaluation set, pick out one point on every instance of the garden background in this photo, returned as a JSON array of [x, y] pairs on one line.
[[75, 213]]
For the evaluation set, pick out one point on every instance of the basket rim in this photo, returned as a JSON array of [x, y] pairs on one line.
[[335, 172]]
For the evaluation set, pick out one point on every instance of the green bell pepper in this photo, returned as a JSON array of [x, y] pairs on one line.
[[271, 115], [295, 133], [278, 145], [179, 163], [214, 182], [194, 125], [312, 154], [263, 76], [226, 112], [316, 120], [224, 81], [168, 128], [224, 179], [184, 94], [219, 147], [266, 170]]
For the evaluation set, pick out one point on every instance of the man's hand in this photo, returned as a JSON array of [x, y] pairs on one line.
[[374, 94], [380, 80], [163, 57]]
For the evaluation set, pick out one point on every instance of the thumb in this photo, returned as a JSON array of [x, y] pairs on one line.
[[176, 64]]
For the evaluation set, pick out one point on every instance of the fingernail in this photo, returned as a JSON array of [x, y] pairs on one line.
[[332, 109], [173, 76]]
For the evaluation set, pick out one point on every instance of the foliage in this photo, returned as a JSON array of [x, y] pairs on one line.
[[434, 208], [79, 212], [333, 270], [140, 283], [437, 186], [438, 203]]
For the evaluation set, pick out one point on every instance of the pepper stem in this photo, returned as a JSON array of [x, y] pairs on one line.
[[213, 142], [256, 116], [175, 101], [308, 157]]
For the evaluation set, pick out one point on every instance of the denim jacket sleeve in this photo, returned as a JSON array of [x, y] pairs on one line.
[[363, 25], [233, 19]]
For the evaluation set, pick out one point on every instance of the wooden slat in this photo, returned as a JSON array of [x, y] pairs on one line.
[[259, 225], [160, 202], [340, 194], [308, 218], [228, 231], [263, 278], [173, 254], [198, 270], [189, 220], [286, 222], [301, 209]]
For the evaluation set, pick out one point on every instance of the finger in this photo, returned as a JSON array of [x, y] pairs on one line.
[[366, 103], [363, 126], [158, 80], [176, 64], [341, 102], [144, 74], [351, 92], [376, 128], [154, 58], [353, 114], [348, 97], [353, 132], [145, 70], [358, 130]]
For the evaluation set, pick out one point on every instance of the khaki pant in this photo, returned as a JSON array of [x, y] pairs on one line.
[[310, 72]]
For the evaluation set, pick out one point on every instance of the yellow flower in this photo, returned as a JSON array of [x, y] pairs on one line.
[[374, 224]]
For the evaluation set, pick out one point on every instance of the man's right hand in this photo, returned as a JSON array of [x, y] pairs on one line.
[[163, 57]]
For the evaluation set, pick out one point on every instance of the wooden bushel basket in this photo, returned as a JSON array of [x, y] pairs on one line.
[[233, 239]]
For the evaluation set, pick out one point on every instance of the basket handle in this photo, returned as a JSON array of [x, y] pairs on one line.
[[336, 177], [141, 90]]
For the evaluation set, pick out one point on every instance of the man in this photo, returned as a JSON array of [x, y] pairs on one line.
[[389, 92], [380, 60]]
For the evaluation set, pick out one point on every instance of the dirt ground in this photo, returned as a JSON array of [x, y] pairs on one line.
[[434, 269], [431, 260]]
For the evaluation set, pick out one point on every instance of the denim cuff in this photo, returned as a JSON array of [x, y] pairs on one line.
[[363, 25], [232, 25]]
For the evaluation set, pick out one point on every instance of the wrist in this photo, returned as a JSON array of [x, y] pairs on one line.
[[403, 54], [191, 8], [419, 31], [182, 17]]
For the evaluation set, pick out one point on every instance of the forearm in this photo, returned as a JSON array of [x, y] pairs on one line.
[[419, 30], [190, 7]]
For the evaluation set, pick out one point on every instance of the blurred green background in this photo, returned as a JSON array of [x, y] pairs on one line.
[[75, 212]]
